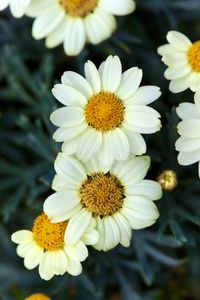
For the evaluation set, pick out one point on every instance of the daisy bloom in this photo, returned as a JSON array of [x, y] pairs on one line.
[[45, 247], [117, 199], [17, 7], [188, 143], [74, 22], [38, 296], [105, 113], [183, 61]]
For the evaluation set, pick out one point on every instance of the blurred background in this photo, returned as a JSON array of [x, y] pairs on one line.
[[163, 262]]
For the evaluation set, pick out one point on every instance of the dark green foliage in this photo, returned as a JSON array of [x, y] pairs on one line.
[[163, 261]]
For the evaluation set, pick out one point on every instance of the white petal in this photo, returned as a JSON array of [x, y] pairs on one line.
[[105, 156], [187, 110], [67, 166], [118, 7], [187, 144], [130, 82], [67, 116], [111, 74], [90, 237], [22, 236], [60, 203], [112, 233], [180, 84], [74, 40], [177, 72], [47, 21], [67, 215], [146, 188], [92, 76], [18, 7], [33, 257], [77, 226], [101, 231], [56, 37], [89, 144], [99, 26], [4, 4], [23, 249], [136, 223], [77, 252], [119, 144], [144, 95], [70, 147], [165, 49], [132, 171], [59, 262], [45, 269], [69, 96], [74, 268], [178, 40], [175, 58], [189, 128], [78, 82], [189, 158], [142, 208], [70, 133], [124, 228], [136, 142], [36, 7]]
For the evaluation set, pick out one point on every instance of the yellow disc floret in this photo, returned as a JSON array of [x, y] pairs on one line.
[[102, 194], [38, 297], [194, 56], [104, 111], [78, 8], [49, 236]]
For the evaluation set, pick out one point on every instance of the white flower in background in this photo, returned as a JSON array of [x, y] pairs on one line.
[[105, 113], [74, 22], [17, 7], [188, 143], [117, 199], [183, 61], [45, 246]]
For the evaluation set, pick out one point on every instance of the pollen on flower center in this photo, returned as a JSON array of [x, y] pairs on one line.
[[104, 111], [78, 8], [47, 235], [194, 56], [102, 194]]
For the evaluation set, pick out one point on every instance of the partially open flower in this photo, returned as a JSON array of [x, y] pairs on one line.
[[168, 180], [116, 198], [45, 247]]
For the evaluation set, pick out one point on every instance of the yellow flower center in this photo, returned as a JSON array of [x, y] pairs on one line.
[[104, 111], [49, 236], [102, 194], [78, 8], [194, 56], [38, 297]]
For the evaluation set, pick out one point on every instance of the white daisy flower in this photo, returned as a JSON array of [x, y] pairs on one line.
[[74, 22], [17, 7], [117, 199], [45, 247], [188, 143], [183, 61], [105, 113]]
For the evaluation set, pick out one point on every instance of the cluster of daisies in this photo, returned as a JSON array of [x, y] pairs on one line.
[[100, 194], [71, 22], [182, 58]]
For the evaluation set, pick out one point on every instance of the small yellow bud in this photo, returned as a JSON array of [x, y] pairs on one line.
[[38, 297], [168, 180]]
